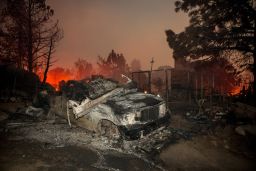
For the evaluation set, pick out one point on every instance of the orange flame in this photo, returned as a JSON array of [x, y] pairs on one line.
[[235, 90], [56, 75]]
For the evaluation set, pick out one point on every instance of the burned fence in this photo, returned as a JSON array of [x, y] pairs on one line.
[[182, 86], [169, 83]]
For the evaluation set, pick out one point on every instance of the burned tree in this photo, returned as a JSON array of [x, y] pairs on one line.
[[55, 37], [215, 27], [29, 33], [113, 66], [83, 69]]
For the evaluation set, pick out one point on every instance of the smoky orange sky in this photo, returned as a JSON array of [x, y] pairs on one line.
[[135, 28]]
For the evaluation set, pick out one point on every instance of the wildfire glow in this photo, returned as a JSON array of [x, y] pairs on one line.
[[236, 90], [56, 75]]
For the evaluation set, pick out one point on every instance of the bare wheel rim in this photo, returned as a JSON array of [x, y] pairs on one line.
[[109, 129]]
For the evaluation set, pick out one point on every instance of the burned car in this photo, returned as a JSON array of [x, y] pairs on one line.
[[111, 109]]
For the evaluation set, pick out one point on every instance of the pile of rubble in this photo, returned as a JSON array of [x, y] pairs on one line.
[[208, 115], [157, 140], [55, 132]]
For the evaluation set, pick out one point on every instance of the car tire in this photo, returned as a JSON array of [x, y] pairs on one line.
[[108, 129]]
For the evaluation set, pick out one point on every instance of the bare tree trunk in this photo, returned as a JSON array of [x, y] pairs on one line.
[[30, 46], [20, 50], [254, 74], [254, 61], [47, 62]]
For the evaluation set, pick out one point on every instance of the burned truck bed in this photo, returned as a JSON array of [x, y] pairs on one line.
[[111, 109]]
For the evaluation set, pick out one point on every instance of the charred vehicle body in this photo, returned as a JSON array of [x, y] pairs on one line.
[[113, 110]]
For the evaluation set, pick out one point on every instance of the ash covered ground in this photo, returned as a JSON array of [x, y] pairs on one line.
[[48, 143]]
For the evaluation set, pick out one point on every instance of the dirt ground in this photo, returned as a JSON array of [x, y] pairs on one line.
[[221, 149], [202, 154], [49, 144]]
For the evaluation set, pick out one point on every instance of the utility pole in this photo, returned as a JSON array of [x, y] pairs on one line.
[[150, 73], [152, 62], [167, 88]]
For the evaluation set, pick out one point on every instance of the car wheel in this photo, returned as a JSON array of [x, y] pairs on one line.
[[109, 129]]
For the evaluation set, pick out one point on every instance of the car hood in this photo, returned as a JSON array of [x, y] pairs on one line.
[[130, 101]]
